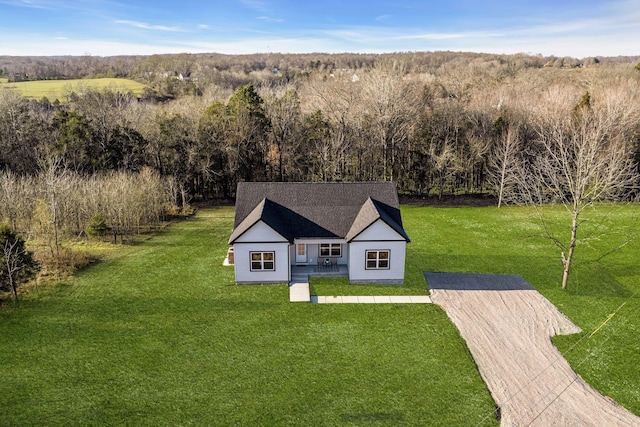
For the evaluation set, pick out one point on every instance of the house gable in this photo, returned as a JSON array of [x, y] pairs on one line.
[[373, 211], [378, 231], [260, 232], [283, 220]]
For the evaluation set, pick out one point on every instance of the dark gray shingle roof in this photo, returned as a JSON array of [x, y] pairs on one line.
[[370, 212], [321, 210]]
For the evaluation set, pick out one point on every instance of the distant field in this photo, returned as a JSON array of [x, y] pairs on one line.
[[60, 89]]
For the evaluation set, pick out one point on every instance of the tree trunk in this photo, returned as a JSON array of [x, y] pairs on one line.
[[13, 287], [441, 185], [54, 206], [503, 173], [281, 159], [572, 245]]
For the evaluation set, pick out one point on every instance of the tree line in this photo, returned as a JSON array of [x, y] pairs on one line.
[[58, 204], [434, 132]]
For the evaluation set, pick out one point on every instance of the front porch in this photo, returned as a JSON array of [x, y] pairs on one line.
[[320, 270]]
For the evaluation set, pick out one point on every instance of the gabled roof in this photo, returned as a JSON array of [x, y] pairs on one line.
[[257, 214], [280, 218], [370, 212], [316, 210]]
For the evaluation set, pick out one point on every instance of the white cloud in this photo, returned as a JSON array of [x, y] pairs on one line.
[[146, 26], [262, 45], [259, 5], [613, 32], [27, 3], [432, 36], [269, 19], [576, 46]]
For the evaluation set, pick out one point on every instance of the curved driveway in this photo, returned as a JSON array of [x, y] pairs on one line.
[[507, 325]]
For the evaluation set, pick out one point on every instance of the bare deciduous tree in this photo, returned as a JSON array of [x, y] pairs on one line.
[[54, 178], [284, 113], [503, 164], [337, 99], [585, 157], [391, 106]]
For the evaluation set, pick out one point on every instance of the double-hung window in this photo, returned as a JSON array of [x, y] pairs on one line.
[[377, 260], [331, 249], [263, 261]]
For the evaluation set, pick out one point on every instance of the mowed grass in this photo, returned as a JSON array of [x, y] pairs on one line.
[[160, 335], [604, 280], [61, 89]]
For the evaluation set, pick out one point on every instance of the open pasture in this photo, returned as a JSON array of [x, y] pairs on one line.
[[61, 89]]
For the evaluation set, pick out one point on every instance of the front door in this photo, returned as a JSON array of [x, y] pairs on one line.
[[301, 253]]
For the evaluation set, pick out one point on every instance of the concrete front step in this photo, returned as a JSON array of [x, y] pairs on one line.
[[299, 289]]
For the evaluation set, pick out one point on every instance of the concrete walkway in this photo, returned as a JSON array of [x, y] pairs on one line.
[[299, 288], [299, 292], [384, 299]]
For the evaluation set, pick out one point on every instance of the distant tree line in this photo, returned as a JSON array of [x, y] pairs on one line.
[[174, 75], [437, 123]]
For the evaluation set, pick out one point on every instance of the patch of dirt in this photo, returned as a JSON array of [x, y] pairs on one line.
[[508, 330]]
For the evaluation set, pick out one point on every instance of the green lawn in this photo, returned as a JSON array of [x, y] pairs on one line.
[[160, 335], [509, 241], [60, 89]]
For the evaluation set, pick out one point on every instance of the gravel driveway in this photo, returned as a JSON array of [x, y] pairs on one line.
[[507, 325]]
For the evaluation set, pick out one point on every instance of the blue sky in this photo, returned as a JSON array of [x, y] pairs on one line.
[[577, 28]]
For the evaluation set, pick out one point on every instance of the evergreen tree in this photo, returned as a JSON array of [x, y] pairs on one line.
[[16, 262]]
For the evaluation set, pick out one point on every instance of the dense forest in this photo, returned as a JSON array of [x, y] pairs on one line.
[[438, 123]]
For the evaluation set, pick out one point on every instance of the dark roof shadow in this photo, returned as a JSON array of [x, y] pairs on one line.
[[291, 224], [476, 282]]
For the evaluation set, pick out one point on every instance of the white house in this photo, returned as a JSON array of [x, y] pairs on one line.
[[353, 227]]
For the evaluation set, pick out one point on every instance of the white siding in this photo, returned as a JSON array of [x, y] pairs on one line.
[[243, 263], [260, 232], [379, 230], [313, 251], [357, 268], [343, 259]]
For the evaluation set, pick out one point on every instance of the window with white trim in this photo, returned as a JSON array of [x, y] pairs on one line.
[[377, 260], [263, 261], [330, 249]]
